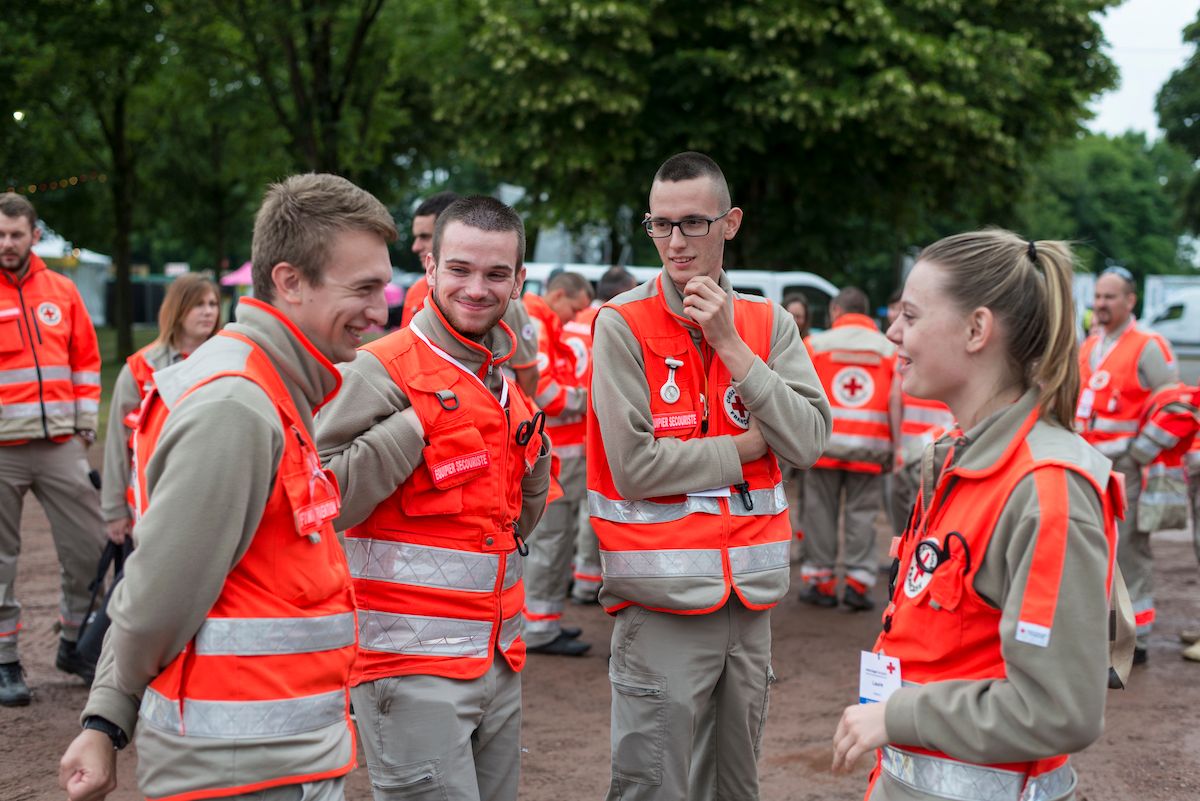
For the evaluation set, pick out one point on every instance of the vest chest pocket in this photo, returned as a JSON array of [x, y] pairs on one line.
[[669, 377], [11, 340], [454, 458], [933, 586]]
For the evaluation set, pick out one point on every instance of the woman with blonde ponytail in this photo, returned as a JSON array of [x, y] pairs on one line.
[[992, 665]]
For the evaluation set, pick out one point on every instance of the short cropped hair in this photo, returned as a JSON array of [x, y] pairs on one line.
[[690, 164], [434, 205], [486, 214], [614, 281], [852, 300], [298, 220], [570, 283], [14, 205]]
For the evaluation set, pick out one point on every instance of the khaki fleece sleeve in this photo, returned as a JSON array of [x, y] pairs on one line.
[[363, 439], [1052, 701], [208, 481], [534, 489], [642, 466], [785, 396], [117, 457], [1155, 368]]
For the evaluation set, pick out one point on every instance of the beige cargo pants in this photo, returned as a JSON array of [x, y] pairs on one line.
[[689, 703], [551, 546], [1133, 552], [824, 506], [430, 737], [58, 475]]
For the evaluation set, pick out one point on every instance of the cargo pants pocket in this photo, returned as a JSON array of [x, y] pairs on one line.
[[762, 717], [419, 780], [639, 725]]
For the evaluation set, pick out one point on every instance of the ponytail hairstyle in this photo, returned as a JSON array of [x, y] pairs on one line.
[[1027, 286]]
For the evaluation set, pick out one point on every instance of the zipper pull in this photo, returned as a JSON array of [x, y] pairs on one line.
[[744, 490]]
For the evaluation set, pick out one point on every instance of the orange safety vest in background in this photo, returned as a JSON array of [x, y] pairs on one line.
[[858, 384], [922, 421], [414, 299], [1112, 400], [273, 655], [941, 629], [556, 373], [686, 553], [1167, 434], [436, 571], [49, 357], [577, 335]]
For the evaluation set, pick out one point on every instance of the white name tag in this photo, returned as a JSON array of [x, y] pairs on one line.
[[716, 492], [1087, 399], [878, 677]]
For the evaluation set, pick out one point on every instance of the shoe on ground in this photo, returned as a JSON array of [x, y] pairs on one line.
[[562, 645], [1189, 636], [13, 689], [1192, 652], [69, 660], [571, 632], [858, 601], [812, 596], [1140, 656]]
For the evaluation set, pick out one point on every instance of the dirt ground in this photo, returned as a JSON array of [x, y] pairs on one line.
[[1150, 749]]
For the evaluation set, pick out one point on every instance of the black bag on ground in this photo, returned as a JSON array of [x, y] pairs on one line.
[[95, 622]]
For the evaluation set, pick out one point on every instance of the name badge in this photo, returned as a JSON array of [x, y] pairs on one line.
[[878, 677], [1087, 400]]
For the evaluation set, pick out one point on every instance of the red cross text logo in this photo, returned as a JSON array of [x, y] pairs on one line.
[[735, 410], [852, 387]]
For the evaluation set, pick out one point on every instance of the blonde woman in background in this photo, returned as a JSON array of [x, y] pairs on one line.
[[994, 649], [189, 315]]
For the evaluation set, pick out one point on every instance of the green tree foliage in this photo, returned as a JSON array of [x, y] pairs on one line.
[[1115, 196], [1178, 107], [843, 126]]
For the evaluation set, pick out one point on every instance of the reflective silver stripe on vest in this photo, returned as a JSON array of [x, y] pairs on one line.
[[514, 569], [757, 558], [423, 565], [9, 623], [762, 502], [264, 636], [860, 441], [87, 405], [1160, 470], [233, 719], [565, 419], [861, 415], [25, 375], [85, 377], [661, 564], [1159, 435], [24, 411], [1112, 448], [962, 781], [418, 635], [510, 630], [574, 451], [1110, 425], [771, 501], [1163, 499], [923, 414], [548, 394]]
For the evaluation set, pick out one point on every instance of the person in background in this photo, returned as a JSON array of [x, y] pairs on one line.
[[49, 404], [796, 304], [996, 638], [189, 315]]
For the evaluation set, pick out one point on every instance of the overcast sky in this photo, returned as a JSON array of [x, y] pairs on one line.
[[1145, 39]]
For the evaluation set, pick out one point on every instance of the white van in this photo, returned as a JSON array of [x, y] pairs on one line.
[[773, 285], [1179, 322]]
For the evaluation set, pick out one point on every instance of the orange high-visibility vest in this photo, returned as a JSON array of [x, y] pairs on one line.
[[414, 299], [556, 374], [577, 334], [274, 653], [686, 553], [49, 358], [922, 422], [858, 384], [1112, 400], [941, 629], [1167, 435], [436, 572]]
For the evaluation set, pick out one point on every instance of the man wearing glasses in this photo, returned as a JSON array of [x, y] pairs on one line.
[[1120, 367], [705, 395]]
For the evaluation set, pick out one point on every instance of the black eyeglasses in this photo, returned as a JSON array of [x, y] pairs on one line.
[[690, 226]]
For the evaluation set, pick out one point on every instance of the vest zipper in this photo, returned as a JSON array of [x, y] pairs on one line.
[[37, 366]]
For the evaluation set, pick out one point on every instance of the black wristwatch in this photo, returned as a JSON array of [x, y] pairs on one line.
[[114, 732]]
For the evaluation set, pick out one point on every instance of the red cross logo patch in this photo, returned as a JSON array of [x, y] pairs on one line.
[[49, 313], [1099, 380], [735, 410], [853, 387]]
